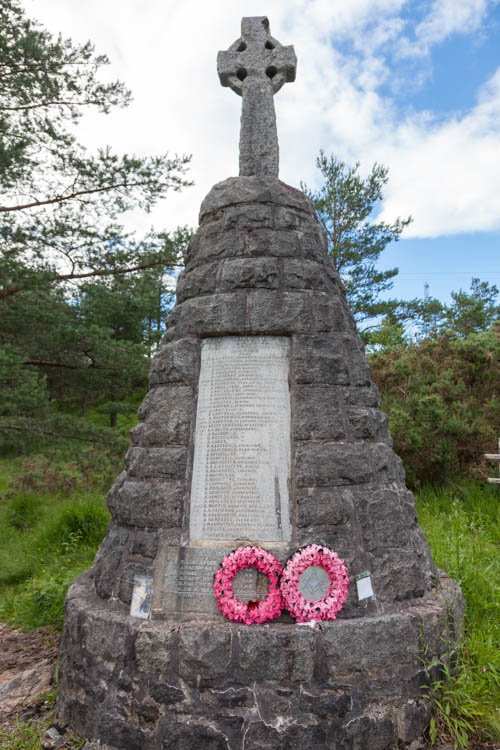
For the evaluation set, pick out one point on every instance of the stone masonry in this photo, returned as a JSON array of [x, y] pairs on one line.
[[258, 266]]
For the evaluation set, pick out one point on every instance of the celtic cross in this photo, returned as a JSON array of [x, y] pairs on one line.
[[256, 66]]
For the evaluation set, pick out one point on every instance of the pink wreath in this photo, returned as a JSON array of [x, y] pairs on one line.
[[253, 611], [305, 610]]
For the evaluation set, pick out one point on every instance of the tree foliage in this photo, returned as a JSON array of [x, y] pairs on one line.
[[442, 396], [81, 298], [59, 205], [345, 205]]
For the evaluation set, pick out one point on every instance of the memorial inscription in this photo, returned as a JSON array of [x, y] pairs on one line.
[[241, 462], [187, 580]]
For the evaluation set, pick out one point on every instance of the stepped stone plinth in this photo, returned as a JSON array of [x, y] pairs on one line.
[[261, 426]]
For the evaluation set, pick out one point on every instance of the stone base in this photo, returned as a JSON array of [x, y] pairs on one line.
[[345, 685]]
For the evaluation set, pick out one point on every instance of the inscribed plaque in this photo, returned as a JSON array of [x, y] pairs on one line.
[[314, 583], [186, 582], [241, 462]]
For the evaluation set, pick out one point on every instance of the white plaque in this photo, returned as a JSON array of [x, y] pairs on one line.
[[142, 595], [364, 586], [241, 464], [314, 583]]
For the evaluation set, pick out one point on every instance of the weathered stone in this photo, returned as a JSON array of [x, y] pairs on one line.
[[109, 642], [409, 582], [247, 273], [322, 507], [367, 424], [129, 504], [234, 697], [256, 66], [359, 369], [313, 243], [219, 246], [261, 736], [413, 719], [375, 730], [317, 414], [251, 216], [279, 312], [340, 538], [203, 653], [145, 544], [154, 653], [253, 189], [333, 705], [175, 363], [320, 359], [305, 274], [370, 643], [290, 218], [330, 464], [382, 520], [362, 396], [178, 734], [166, 694], [117, 732], [52, 739], [201, 280], [216, 314], [166, 503], [167, 411], [108, 560], [331, 675], [157, 463], [327, 314], [273, 244], [281, 655]]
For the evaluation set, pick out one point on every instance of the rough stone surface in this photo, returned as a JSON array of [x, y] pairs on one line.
[[351, 683], [258, 266], [256, 66]]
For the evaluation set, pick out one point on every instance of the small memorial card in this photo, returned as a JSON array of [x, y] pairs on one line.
[[364, 584], [142, 597]]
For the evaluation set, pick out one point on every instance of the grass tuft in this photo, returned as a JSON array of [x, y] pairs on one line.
[[462, 525]]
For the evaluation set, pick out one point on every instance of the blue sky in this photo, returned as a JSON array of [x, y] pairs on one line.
[[412, 85]]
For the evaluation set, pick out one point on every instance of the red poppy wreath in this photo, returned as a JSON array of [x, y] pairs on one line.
[[229, 605], [326, 608]]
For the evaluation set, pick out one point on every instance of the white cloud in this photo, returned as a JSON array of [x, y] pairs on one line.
[[446, 17], [447, 174], [444, 172]]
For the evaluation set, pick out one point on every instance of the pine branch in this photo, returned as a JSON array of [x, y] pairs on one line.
[[70, 276]]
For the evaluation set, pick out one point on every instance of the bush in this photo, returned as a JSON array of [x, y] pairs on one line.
[[443, 401], [78, 471]]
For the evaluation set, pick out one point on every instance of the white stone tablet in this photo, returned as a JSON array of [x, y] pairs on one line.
[[241, 465]]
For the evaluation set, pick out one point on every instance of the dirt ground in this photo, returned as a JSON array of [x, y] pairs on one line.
[[28, 676], [27, 671]]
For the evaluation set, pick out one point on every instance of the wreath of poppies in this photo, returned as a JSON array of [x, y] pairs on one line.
[[326, 608], [253, 611], [281, 593]]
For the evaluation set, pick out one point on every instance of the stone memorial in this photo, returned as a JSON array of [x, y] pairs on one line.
[[261, 427]]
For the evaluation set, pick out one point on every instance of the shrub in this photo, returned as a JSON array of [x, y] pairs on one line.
[[443, 401]]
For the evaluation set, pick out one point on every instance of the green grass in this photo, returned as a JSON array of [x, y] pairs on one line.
[[48, 536], [46, 540], [462, 525], [27, 735]]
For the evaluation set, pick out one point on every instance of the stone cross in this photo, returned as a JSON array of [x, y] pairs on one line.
[[256, 66]]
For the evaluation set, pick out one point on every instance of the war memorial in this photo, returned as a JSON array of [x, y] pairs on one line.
[[261, 432]]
